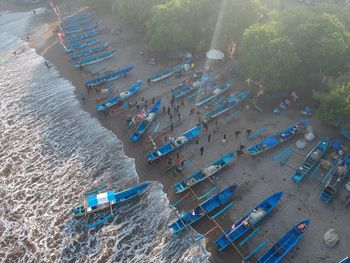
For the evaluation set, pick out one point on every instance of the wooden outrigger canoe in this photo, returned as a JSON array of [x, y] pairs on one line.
[[185, 90], [174, 144], [334, 179], [80, 29], [215, 93], [249, 220], [285, 244], [94, 59], [88, 52], [119, 98], [109, 76], [169, 72], [277, 139], [75, 18], [104, 201], [146, 122], [75, 38], [80, 45], [229, 103], [311, 160], [203, 209], [205, 173]]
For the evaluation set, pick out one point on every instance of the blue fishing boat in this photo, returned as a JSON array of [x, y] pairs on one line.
[[311, 160], [169, 72], [345, 260], [88, 52], [335, 178], [106, 200], [94, 59], [174, 144], [215, 93], [185, 90], [229, 103], [74, 18], [119, 98], [279, 138], [193, 78], [205, 173], [203, 209], [80, 29], [109, 76], [73, 39], [80, 45], [146, 122], [251, 219], [285, 244], [81, 22]]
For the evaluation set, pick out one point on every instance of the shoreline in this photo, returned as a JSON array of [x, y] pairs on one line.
[[54, 53]]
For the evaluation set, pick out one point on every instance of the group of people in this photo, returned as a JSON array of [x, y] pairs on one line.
[[287, 103]]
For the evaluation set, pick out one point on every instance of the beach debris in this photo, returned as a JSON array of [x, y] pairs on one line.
[[309, 136], [300, 144], [347, 186], [331, 238]]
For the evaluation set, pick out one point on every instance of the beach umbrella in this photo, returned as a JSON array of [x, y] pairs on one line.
[[215, 54]]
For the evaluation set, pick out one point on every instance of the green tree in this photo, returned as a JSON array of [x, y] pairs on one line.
[[268, 56], [320, 40], [135, 12], [335, 103], [181, 24], [238, 15]]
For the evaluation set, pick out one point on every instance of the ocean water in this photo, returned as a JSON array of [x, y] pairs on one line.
[[51, 152]]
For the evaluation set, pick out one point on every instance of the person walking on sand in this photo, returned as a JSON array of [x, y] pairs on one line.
[[105, 113], [197, 140], [224, 139], [248, 132], [169, 110], [237, 133], [202, 150], [179, 115], [239, 153], [209, 137], [82, 97], [171, 117], [183, 103], [172, 127], [191, 112]]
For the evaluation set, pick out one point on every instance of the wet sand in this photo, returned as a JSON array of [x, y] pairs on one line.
[[257, 177]]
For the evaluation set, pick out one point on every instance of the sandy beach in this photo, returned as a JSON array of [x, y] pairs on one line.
[[257, 177]]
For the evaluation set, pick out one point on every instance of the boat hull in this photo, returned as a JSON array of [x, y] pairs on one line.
[[252, 218]]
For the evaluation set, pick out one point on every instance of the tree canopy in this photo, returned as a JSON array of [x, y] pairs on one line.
[[335, 103], [135, 12], [320, 40], [268, 56]]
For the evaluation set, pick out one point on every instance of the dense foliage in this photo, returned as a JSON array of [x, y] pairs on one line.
[[269, 56], [335, 102]]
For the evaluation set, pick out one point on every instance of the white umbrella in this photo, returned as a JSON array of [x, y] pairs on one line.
[[215, 54]]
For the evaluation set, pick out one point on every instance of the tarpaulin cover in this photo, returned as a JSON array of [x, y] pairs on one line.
[[270, 141]]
